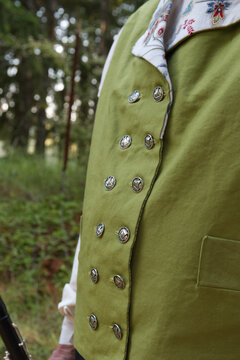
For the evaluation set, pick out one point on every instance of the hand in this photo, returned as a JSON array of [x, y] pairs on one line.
[[63, 352]]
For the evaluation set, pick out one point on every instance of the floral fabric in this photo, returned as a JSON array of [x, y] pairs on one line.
[[175, 20]]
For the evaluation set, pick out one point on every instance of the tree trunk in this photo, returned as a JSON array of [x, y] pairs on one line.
[[105, 5], [71, 99], [51, 8], [41, 132], [23, 117]]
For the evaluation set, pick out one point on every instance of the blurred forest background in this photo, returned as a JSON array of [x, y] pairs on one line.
[[40, 206]]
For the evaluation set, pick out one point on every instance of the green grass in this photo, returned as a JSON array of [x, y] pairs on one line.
[[39, 225]]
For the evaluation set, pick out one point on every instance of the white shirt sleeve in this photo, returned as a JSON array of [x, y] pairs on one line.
[[108, 61], [68, 302]]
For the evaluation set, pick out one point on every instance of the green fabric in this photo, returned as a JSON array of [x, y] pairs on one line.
[[181, 264], [219, 264]]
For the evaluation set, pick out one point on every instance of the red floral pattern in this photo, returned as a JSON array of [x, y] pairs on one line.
[[217, 9], [160, 16], [188, 25]]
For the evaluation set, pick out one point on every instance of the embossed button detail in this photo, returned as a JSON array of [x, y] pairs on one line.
[[117, 331], [94, 275], [134, 97], [110, 183], [124, 235], [125, 142], [93, 321], [100, 230], [137, 184], [158, 94], [149, 141], [119, 282]]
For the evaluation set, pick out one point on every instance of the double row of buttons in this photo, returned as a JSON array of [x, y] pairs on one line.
[[137, 184], [158, 95], [93, 322], [123, 236], [123, 233], [117, 279], [126, 142]]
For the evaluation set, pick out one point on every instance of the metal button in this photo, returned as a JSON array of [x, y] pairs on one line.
[[149, 141], [94, 275], [124, 235], [100, 230], [137, 184], [125, 142], [110, 183], [134, 97], [158, 94], [119, 282], [93, 321], [117, 331]]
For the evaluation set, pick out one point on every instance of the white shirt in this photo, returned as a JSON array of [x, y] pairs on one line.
[[170, 24]]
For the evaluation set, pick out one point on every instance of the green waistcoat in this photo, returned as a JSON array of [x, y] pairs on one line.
[[180, 268]]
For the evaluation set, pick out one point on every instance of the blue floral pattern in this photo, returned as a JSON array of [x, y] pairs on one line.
[[217, 9]]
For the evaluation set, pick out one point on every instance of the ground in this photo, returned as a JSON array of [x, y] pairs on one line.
[[39, 226]]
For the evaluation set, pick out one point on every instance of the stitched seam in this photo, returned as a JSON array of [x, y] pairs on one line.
[[218, 288], [200, 260]]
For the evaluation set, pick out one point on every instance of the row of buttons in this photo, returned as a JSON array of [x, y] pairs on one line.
[[117, 279], [93, 322], [126, 142], [123, 233], [137, 184], [123, 236], [158, 95]]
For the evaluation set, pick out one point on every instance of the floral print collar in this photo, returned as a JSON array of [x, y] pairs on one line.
[[176, 20]]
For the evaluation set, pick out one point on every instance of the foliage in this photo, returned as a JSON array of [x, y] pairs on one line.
[[39, 222], [37, 43], [39, 323], [11, 16]]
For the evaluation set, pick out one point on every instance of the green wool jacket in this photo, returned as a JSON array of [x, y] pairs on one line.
[[177, 294]]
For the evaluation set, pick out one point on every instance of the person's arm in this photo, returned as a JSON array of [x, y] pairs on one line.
[[67, 304], [65, 349]]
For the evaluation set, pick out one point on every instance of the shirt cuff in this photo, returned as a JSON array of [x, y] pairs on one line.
[[66, 336], [67, 305]]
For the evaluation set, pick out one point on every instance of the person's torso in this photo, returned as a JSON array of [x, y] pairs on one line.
[[162, 280]]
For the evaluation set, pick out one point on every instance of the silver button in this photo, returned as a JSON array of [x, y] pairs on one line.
[[94, 276], [110, 183], [119, 282], [158, 94], [125, 142], [149, 141], [100, 230], [137, 184], [117, 331], [134, 97], [93, 321], [124, 235]]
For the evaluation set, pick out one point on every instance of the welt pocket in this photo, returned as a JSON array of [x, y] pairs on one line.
[[219, 263]]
